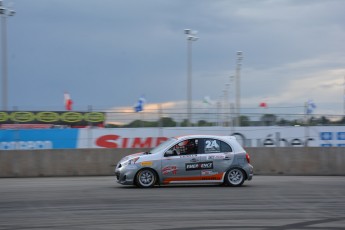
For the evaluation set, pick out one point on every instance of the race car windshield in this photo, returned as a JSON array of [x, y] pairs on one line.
[[163, 145]]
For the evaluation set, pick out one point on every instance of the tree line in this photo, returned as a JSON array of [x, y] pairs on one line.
[[265, 120]]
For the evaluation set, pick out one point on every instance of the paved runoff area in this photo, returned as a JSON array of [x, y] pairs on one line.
[[266, 202]]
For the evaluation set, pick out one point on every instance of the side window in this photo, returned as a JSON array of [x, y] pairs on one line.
[[214, 146], [186, 147], [224, 147]]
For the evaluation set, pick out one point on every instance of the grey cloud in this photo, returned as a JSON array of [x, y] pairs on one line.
[[107, 53]]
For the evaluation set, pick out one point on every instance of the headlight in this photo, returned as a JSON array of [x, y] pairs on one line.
[[131, 161]]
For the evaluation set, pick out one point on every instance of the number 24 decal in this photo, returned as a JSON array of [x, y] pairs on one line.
[[211, 144]]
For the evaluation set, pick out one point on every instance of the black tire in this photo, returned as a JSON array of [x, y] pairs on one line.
[[234, 177], [145, 178]]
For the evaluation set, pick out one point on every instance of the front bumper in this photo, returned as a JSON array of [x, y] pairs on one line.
[[125, 174]]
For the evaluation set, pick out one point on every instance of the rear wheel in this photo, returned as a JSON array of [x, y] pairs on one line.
[[146, 178], [235, 177]]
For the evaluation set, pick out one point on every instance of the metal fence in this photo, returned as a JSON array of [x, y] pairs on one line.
[[157, 116], [202, 117]]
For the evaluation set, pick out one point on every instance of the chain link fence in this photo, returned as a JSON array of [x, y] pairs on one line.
[[202, 117]]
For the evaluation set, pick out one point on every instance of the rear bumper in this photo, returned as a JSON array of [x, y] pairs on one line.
[[249, 171]]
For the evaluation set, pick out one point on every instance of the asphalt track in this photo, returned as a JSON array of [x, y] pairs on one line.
[[266, 202]]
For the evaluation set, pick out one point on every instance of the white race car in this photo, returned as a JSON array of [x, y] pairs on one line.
[[187, 159]]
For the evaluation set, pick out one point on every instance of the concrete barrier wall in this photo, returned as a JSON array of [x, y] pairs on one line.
[[298, 161], [97, 162], [68, 162]]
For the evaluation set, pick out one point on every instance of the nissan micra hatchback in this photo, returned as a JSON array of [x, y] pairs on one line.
[[187, 159]]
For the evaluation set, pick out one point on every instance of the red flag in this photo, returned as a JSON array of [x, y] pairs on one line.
[[68, 101], [263, 105]]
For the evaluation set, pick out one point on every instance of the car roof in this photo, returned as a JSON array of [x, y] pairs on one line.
[[228, 138]]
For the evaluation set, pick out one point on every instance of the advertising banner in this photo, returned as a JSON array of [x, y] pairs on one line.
[[38, 139], [69, 118], [260, 136]]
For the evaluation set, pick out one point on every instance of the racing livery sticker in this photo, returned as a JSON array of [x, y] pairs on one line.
[[171, 169], [216, 157], [208, 173], [199, 166], [212, 146], [187, 156], [214, 177], [146, 163]]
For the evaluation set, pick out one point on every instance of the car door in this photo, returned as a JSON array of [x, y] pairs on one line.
[[182, 165], [218, 153]]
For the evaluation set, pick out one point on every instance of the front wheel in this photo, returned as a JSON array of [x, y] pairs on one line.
[[235, 177], [146, 178]]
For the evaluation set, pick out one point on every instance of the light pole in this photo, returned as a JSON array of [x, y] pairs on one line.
[[344, 97], [4, 13], [238, 87], [226, 104], [190, 38]]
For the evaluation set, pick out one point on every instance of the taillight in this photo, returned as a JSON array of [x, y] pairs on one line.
[[248, 158]]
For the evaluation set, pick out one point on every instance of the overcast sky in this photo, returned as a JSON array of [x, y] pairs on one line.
[[107, 53]]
